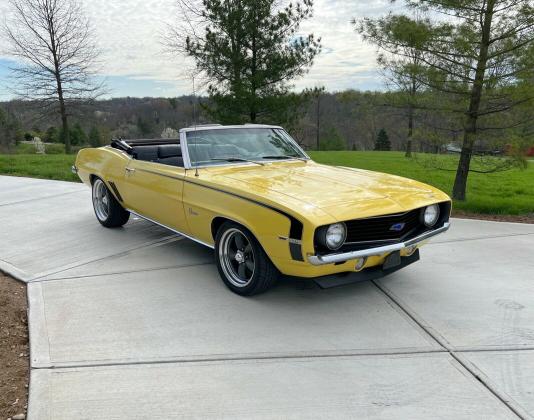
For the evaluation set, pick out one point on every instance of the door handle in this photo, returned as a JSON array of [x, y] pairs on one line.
[[131, 170]]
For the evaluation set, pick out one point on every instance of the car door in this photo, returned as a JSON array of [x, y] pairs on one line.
[[154, 190]]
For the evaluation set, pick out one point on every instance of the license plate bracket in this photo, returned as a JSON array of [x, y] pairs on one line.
[[392, 260]]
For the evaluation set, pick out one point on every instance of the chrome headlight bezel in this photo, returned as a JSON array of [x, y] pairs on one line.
[[430, 215], [325, 235]]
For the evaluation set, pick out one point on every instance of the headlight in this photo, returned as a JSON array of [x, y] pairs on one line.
[[431, 215], [333, 236]]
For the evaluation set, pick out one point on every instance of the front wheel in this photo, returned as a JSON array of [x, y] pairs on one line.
[[108, 211], [243, 265]]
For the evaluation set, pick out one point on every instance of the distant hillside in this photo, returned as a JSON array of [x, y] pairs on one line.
[[347, 120]]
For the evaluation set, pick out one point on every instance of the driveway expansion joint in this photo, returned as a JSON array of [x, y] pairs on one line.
[[512, 405], [252, 357], [41, 198], [169, 238]]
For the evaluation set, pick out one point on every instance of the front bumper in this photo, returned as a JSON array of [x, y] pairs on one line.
[[368, 274], [381, 250]]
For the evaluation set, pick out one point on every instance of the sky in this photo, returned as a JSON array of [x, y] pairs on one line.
[[134, 64]]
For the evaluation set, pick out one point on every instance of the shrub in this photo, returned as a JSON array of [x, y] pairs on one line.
[[55, 149], [332, 141], [25, 149]]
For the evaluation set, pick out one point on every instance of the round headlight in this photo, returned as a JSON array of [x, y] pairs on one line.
[[335, 235], [431, 215]]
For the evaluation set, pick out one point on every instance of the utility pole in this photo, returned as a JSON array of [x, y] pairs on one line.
[[318, 120]]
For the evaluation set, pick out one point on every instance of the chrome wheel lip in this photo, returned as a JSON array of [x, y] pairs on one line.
[[101, 200], [227, 261]]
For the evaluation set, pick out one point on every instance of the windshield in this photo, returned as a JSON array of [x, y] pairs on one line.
[[216, 146]]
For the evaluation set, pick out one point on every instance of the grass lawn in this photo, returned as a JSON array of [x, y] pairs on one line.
[[510, 192], [39, 166]]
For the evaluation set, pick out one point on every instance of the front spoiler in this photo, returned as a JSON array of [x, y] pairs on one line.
[[371, 273], [381, 250]]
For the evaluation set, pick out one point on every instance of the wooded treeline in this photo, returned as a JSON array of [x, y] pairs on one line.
[[349, 120]]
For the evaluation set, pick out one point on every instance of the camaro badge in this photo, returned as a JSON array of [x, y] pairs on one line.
[[397, 227]]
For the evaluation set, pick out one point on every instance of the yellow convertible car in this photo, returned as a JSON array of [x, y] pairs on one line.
[[255, 197]]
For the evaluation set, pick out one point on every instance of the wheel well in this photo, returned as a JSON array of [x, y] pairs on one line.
[[92, 178], [216, 224]]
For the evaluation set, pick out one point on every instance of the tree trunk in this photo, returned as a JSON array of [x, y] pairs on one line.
[[254, 75], [65, 124], [59, 85], [470, 130], [460, 182]]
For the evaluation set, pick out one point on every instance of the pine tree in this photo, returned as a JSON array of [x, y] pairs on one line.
[[250, 51], [382, 141], [95, 139]]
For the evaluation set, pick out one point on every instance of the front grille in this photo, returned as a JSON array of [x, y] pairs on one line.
[[377, 229]]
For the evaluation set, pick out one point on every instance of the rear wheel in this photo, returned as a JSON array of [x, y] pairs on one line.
[[108, 211], [243, 265]]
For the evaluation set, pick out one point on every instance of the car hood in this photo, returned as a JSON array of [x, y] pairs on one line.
[[343, 193]]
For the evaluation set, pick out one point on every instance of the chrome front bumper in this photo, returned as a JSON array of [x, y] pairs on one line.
[[381, 250], [74, 169]]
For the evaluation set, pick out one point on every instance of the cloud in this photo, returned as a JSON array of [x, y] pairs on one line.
[[129, 34]]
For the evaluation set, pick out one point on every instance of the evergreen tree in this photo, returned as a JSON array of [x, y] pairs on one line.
[[52, 135], [382, 141], [249, 52], [95, 139]]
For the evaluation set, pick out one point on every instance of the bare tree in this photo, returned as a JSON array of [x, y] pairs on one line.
[[52, 42]]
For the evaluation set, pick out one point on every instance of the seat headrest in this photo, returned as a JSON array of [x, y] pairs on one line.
[[169, 150]]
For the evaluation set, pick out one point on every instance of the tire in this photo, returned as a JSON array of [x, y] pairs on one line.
[[243, 265], [107, 209]]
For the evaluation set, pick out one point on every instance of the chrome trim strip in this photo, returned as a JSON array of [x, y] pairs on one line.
[[346, 256], [290, 240], [222, 127], [171, 229], [148, 171], [185, 150]]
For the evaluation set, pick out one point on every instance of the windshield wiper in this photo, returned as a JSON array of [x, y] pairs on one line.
[[237, 159], [285, 157]]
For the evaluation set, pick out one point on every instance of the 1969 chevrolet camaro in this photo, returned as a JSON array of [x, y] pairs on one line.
[[255, 197]]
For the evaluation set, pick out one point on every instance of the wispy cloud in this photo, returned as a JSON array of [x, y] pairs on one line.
[[134, 63]]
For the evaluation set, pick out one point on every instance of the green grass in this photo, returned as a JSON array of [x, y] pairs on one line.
[[510, 192], [39, 166]]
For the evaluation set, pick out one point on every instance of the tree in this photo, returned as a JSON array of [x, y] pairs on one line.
[[95, 138], [144, 126], [382, 141], [332, 140], [51, 135], [480, 62], [7, 131], [78, 135], [403, 71], [248, 52], [52, 42]]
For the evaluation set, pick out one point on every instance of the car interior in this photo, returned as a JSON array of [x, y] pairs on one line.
[[169, 151], [166, 152]]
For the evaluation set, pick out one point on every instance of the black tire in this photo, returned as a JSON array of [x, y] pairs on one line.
[[108, 210], [249, 271]]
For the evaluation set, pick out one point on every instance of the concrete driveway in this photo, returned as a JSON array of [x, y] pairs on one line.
[[134, 323]]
